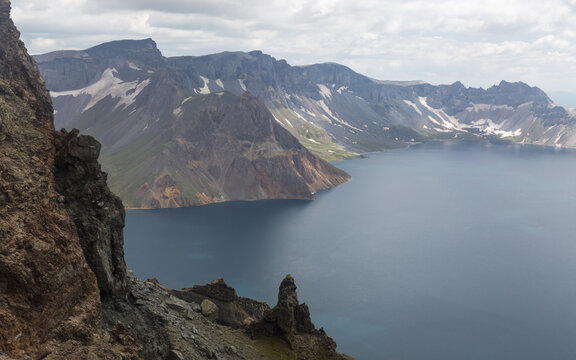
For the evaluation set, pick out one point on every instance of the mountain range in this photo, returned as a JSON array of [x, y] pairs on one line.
[[219, 119]]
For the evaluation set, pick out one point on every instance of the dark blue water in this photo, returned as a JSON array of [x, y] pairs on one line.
[[447, 251]]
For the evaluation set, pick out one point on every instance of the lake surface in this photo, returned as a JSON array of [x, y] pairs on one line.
[[444, 251]]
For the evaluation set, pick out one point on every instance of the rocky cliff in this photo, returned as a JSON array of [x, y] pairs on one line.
[[65, 291], [48, 294]]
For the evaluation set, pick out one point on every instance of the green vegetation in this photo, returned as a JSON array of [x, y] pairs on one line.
[[312, 137]]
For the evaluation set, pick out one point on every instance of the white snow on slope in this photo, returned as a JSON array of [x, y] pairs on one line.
[[108, 85], [486, 107], [204, 90], [408, 102], [333, 117], [447, 121], [324, 91], [491, 128], [242, 85]]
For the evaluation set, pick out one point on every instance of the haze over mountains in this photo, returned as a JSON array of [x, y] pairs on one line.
[[163, 121]]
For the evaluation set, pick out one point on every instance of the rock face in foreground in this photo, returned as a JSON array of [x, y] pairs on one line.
[[65, 292], [97, 213], [47, 292], [177, 327]]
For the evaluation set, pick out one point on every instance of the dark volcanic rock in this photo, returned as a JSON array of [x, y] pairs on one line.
[[231, 310], [97, 213], [217, 289], [291, 320], [288, 317]]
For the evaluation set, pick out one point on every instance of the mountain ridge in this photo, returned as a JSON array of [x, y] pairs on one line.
[[148, 113], [332, 110], [382, 102]]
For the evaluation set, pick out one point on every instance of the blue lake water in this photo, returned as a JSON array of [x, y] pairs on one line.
[[444, 251]]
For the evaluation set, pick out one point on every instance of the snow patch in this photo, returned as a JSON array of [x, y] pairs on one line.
[[134, 66], [342, 88], [108, 85], [487, 107], [408, 102], [324, 107], [242, 85], [324, 91], [489, 127], [178, 112], [220, 83], [204, 90], [446, 120], [433, 120]]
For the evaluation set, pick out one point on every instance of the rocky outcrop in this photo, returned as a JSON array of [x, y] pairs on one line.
[[228, 308], [173, 326], [292, 321], [97, 213], [288, 317], [48, 294]]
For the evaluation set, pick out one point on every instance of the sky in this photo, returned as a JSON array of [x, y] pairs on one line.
[[478, 43]]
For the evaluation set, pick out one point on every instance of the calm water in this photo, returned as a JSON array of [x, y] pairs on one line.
[[447, 251]]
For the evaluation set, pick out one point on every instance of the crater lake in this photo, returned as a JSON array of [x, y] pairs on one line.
[[442, 251]]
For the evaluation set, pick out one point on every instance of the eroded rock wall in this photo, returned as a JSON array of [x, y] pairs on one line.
[[40, 255], [97, 213]]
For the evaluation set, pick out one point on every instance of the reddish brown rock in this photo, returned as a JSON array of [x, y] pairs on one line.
[[40, 255]]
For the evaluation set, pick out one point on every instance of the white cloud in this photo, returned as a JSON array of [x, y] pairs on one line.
[[476, 42]]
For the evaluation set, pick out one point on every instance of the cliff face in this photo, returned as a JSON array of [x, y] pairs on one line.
[[40, 254], [224, 147], [97, 213]]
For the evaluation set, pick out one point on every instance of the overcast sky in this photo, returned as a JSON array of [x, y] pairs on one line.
[[439, 41]]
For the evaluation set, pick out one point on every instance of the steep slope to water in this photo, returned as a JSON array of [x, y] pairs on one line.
[[167, 144]]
